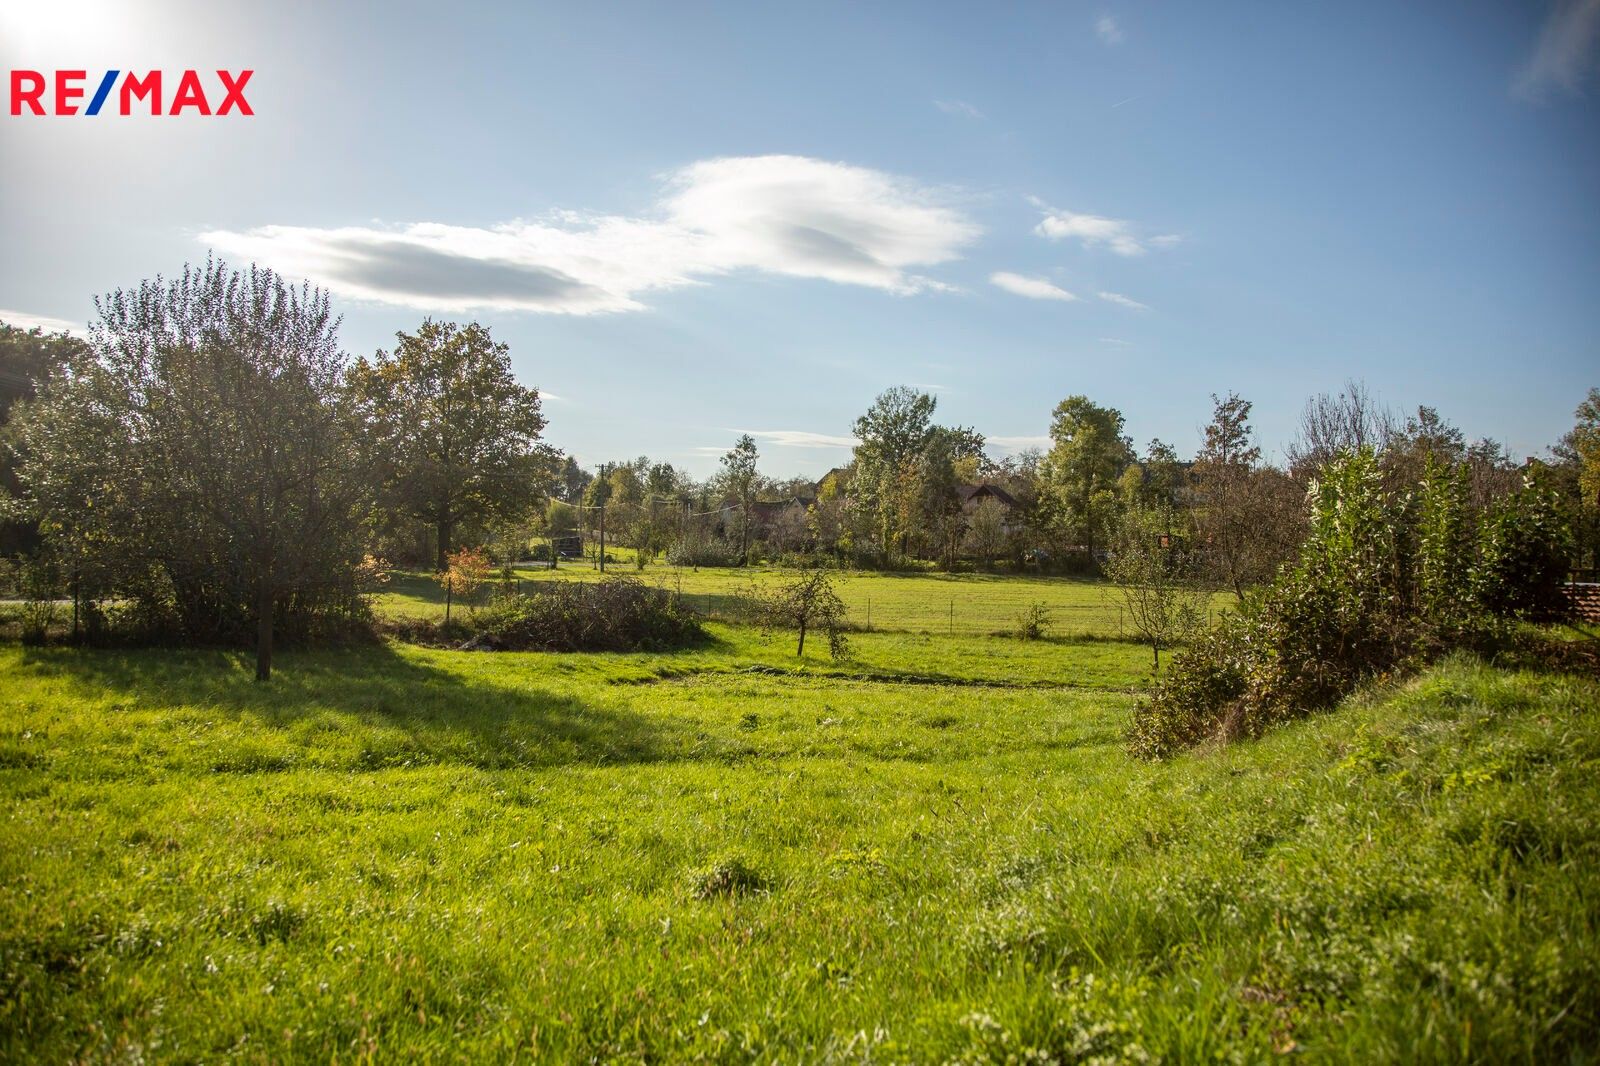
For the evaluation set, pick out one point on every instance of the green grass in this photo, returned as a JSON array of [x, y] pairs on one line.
[[937, 851], [938, 604]]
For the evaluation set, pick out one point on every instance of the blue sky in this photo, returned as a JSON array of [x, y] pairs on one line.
[[689, 222]]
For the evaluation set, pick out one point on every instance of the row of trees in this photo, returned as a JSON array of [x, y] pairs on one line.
[[212, 462], [214, 465]]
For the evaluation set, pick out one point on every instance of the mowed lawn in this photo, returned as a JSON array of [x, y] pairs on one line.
[[938, 851], [944, 604]]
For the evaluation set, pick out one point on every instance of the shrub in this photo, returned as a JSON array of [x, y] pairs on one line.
[[1525, 552], [1379, 585], [618, 614], [1033, 622], [710, 551], [1205, 681]]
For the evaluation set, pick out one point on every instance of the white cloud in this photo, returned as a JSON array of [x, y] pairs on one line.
[[1090, 230], [958, 107], [1564, 56], [1123, 301], [786, 215], [23, 320], [1032, 288], [1165, 240], [799, 438], [1116, 342], [1106, 26]]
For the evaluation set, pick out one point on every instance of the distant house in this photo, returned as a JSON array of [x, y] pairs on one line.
[[763, 513], [973, 495]]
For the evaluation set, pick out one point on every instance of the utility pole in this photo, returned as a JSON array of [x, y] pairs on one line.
[[605, 491]]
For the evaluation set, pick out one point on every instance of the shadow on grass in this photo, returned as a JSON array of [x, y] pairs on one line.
[[367, 707]]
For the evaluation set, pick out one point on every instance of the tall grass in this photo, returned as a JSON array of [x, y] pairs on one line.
[[937, 851]]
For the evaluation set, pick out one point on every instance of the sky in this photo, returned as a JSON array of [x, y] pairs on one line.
[[694, 221]]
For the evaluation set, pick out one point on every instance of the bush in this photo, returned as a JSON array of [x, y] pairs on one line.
[[618, 614], [1206, 680], [712, 551], [1378, 587], [1524, 555], [1032, 623]]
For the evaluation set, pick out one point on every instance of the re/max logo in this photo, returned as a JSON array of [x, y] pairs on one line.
[[28, 91]]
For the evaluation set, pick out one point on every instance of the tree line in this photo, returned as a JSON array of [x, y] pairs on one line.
[[210, 466]]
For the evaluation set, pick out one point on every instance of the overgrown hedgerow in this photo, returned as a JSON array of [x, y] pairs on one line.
[[1384, 582]]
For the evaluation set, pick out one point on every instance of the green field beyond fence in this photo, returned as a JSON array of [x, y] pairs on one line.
[[957, 604]]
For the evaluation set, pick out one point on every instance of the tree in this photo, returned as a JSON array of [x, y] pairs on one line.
[[1334, 425], [892, 435], [572, 480], [1153, 577], [458, 435], [27, 359], [1579, 453], [808, 602], [1224, 471], [740, 479], [199, 456], [1081, 470], [986, 530], [463, 573], [938, 501]]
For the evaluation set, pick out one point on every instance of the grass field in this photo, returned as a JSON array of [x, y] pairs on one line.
[[946, 604], [938, 851]]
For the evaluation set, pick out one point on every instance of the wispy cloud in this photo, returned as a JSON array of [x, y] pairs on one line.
[[1564, 56], [798, 438], [786, 215], [959, 108], [1123, 301], [1032, 288], [23, 320], [1094, 231], [1116, 342], [1091, 231], [1108, 30]]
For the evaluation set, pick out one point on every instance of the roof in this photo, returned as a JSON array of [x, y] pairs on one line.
[[972, 492]]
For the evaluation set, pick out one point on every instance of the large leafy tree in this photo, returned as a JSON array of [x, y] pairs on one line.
[[1080, 472], [892, 436], [459, 437], [1224, 471], [27, 358], [197, 459], [740, 479]]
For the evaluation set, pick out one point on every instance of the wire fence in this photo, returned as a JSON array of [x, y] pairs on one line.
[[1058, 608]]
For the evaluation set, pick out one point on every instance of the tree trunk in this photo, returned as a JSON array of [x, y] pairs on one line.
[[264, 622], [446, 530], [801, 650]]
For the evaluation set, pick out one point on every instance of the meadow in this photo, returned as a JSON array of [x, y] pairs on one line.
[[937, 850], [962, 604]]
